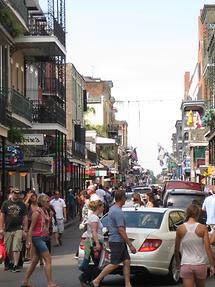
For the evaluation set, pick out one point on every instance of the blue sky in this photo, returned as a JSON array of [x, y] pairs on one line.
[[144, 47]]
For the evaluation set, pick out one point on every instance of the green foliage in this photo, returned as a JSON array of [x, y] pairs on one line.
[[209, 118], [8, 20], [100, 129], [15, 135]]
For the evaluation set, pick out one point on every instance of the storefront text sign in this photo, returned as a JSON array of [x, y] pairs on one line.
[[33, 139]]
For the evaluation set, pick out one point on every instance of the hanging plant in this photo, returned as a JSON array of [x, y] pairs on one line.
[[15, 135], [7, 19], [209, 118]]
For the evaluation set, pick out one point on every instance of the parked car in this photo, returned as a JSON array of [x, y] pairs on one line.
[[152, 232], [181, 198]]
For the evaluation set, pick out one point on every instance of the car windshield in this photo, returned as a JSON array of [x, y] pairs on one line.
[[183, 200], [140, 219]]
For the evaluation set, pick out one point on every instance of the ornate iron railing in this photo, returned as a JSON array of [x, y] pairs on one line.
[[91, 156], [46, 25], [49, 111], [21, 105]]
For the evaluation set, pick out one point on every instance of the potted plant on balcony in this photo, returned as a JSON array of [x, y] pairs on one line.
[[15, 135], [209, 118]]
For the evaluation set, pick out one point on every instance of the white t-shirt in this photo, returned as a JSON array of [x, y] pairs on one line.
[[209, 207], [58, 205], [94, 218]]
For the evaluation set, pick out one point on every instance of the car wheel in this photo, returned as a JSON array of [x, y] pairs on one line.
[[174, 274]]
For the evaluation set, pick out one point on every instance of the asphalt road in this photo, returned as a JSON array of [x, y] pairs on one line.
[[65, 270]]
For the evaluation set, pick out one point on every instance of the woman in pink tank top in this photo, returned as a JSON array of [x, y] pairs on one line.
[[192, 243], [37, 236]]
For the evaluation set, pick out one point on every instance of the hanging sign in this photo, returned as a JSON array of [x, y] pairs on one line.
[[33, 139]]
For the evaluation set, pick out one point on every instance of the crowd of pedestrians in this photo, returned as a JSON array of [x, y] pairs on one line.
[[27, 222]]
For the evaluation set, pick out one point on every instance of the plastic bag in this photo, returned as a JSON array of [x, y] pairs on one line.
[[2, 251], [104, 258]]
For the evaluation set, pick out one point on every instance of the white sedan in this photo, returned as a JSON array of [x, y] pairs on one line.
[[152, 232]]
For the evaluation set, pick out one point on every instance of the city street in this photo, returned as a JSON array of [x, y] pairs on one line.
[[65, 271]]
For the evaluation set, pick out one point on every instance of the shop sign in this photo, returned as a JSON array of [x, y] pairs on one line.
[[101, 173], [33, 139], [13, 156]]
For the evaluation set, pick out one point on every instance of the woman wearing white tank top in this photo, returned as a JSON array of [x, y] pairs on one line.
[[192, 242]]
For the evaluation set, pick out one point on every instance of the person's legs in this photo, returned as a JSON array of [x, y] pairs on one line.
[[48, 271], [17, 246], [56, 236], [60, 230], [188, 282], [108, 269], [16, 255], [126, 272], [30, 269], [200, 282]]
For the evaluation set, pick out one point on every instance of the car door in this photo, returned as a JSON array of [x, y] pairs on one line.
[[175, 218]]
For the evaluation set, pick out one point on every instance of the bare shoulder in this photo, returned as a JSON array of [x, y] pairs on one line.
[[201, 229], [181, 230]]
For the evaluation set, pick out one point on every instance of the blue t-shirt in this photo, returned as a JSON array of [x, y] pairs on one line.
[[115, 219]]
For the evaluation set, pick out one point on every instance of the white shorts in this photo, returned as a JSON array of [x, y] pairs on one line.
[[59, 227]]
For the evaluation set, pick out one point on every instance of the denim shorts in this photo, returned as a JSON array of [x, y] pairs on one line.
[[39, 244]]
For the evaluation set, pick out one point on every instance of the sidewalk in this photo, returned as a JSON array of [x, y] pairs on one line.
[[71, 222]]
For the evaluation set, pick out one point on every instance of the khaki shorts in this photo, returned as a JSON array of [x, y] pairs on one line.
[[13, 241]]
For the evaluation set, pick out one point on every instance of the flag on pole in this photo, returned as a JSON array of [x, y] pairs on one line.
[[198, 122]]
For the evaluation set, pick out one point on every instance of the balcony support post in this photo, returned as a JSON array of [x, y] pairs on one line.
[[3, 176]]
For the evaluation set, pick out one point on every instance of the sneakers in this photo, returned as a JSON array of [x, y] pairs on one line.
[[16, 269], [8, 267]]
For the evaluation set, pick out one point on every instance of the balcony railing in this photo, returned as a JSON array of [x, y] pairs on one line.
[[46, 25], [49, 111], [53, 86], [20, 105], [3, 105]]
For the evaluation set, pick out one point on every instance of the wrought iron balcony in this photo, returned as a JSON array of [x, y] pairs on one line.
[[53, 86], [3, 106], [46, 25], [49, 111], [20, 105]]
